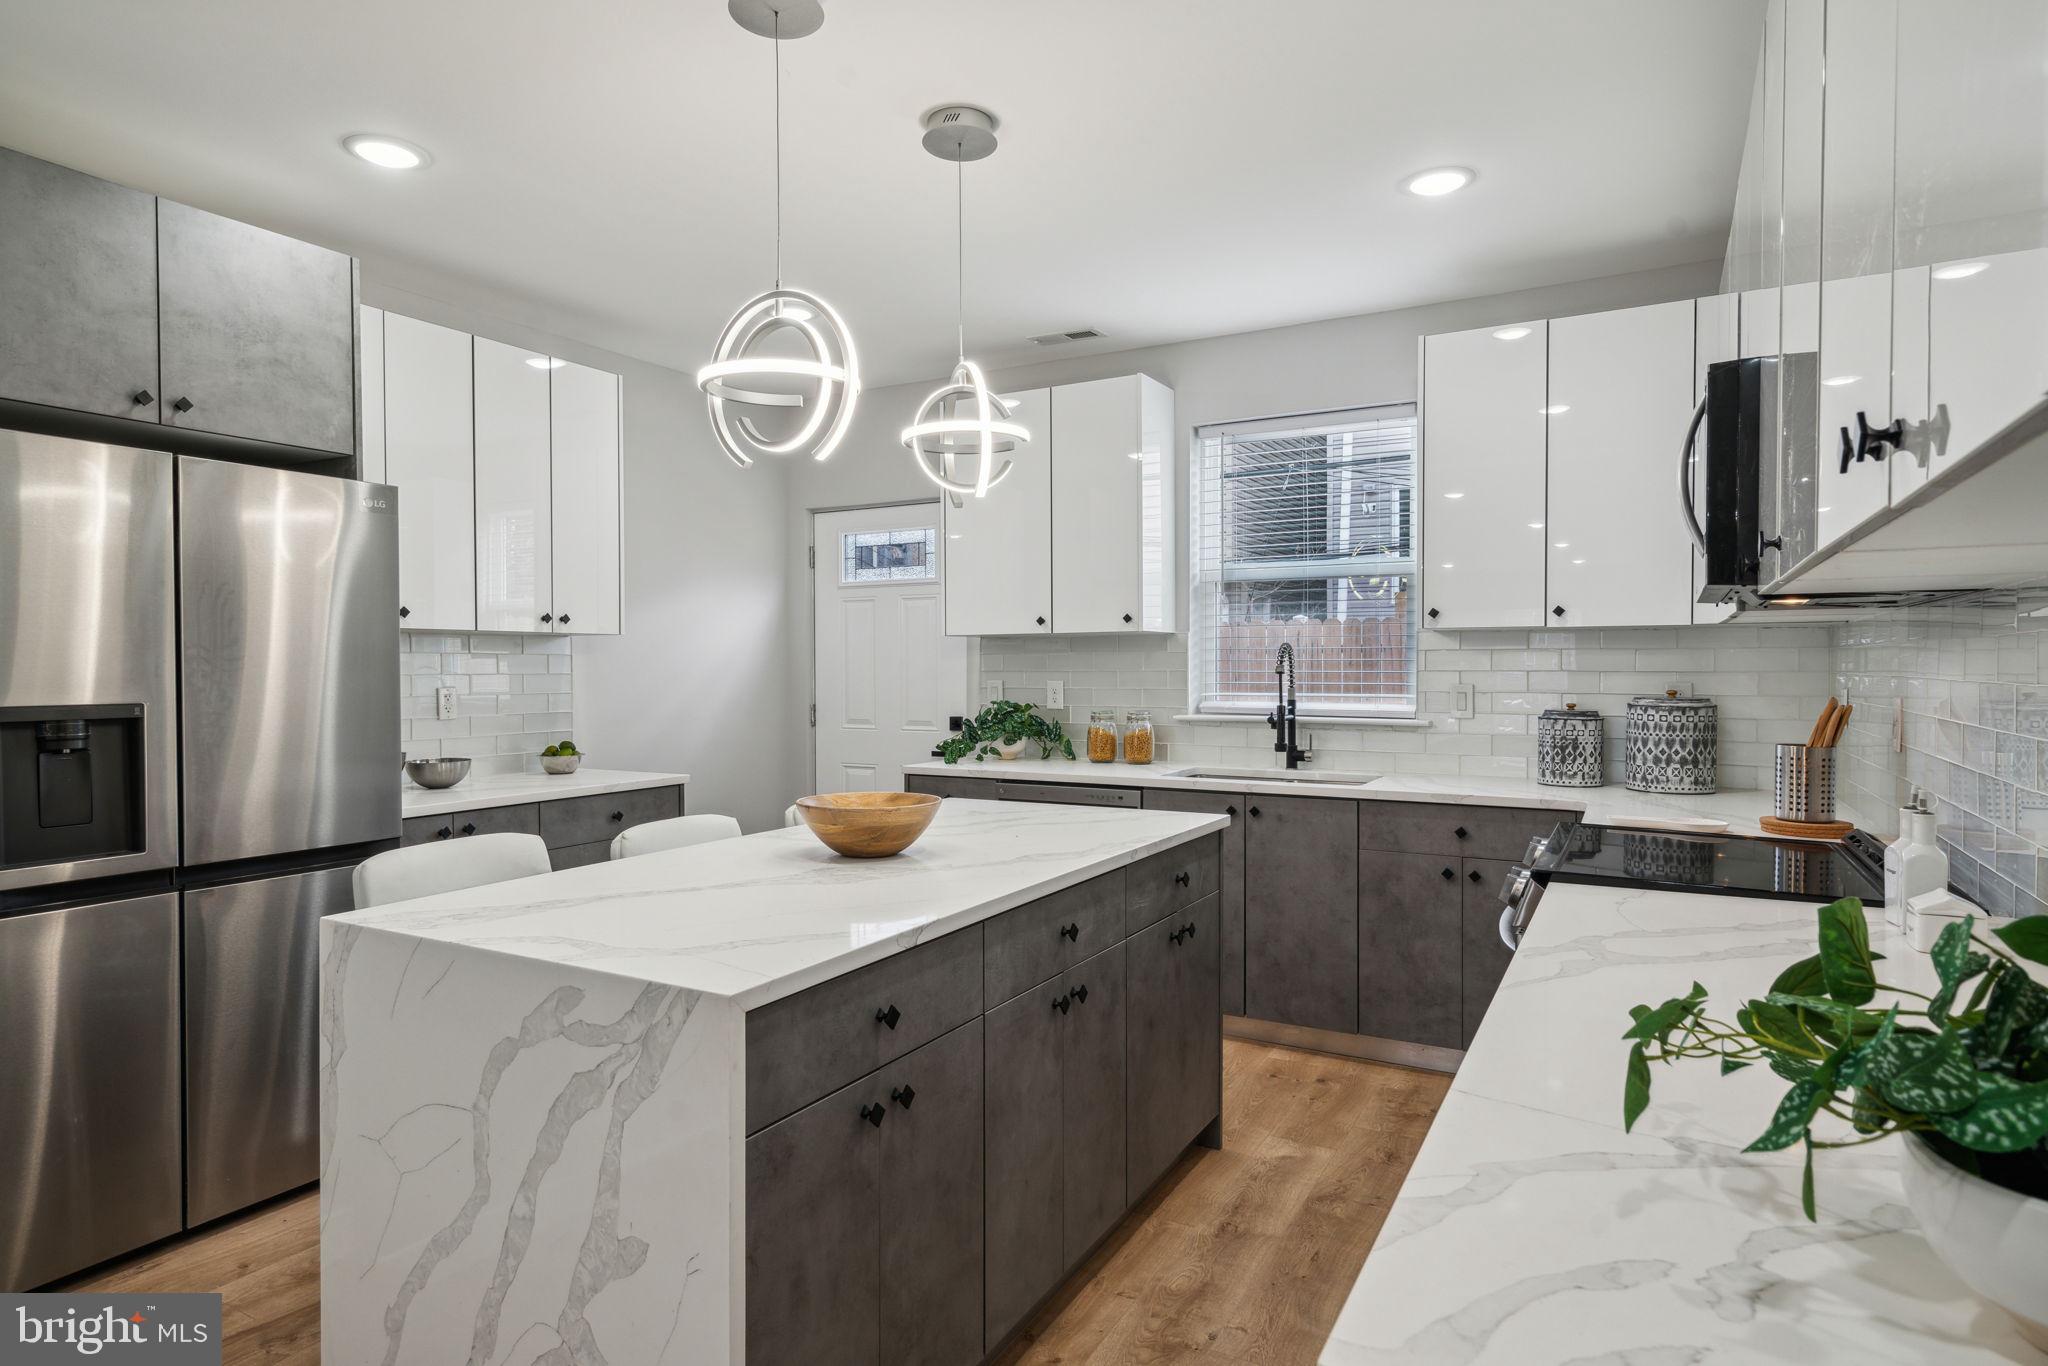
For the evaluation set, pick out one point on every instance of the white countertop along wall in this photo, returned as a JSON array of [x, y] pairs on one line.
[[481, 790], [1610, 805], [1533, 1231]]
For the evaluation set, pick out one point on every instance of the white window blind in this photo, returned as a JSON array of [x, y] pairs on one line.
[[1303, 531]]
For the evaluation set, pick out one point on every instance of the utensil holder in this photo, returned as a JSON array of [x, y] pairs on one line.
[[1803, 783]]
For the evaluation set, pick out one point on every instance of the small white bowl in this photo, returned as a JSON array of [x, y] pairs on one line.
[[559, 764]]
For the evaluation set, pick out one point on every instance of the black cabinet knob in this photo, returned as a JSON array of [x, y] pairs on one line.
[[1433, 614], [1871, 441], [1189, 930], [1460, 832], [1072, 932], [1848, 450], [1473, 875], [888, 1016], [1255, 811], [618, 815], [1041, 621], [1081, 994], [143, 396], [1127, 618], [1230, 810], [1181, 878], [546, 617], [443, 833], [1186, 931], [873, 1114], [404, 612], [1450, 876], [1557, 611], [1062, 1003], [469, 828], [903, 1095], [183, 405], [564, 618]]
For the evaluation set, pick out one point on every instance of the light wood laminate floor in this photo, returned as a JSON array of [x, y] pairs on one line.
[[1240, 1256]]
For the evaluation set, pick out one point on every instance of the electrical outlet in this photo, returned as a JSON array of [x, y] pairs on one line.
[[1461, 701], [444, 704], [1055, 693], [992, 690]]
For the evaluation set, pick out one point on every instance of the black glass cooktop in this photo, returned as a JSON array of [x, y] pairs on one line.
[[1736, 864]]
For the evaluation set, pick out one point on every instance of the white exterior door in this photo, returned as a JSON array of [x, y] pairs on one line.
[[889, 677]]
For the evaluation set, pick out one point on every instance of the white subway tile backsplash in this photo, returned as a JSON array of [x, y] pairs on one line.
[[514, 696]]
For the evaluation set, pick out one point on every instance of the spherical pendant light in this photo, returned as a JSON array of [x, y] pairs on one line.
[[750, 377], [960, 428]]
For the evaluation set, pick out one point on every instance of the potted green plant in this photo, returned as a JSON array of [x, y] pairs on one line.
[[1961, 1073], [1003, 728]]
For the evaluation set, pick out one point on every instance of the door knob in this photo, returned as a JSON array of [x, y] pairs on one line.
[[1473, 875], [903, 1095], [873, 1114], [1070, 932], [1081, 993], [1450, 876], [143, 396], [889, 1016], [469, 828], [183, 405]]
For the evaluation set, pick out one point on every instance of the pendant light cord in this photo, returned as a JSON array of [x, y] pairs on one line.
[[778, 148], [960, 256]]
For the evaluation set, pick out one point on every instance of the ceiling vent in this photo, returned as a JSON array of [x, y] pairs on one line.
[[1062, 338]]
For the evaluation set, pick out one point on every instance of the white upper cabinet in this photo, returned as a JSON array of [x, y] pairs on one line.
[[429, 453], [1716, 336], [587, 456], [513, 513], [1483, 396], [998, 551], [370, 373], [1112, 485], [1620, 396]]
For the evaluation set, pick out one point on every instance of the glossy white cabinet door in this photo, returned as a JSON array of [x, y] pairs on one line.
[[1621, 387], [998, 552], [1855, 377], [429, 453], [370, 397], [1482, 508], [1910, 468], [513, 575], [588, 455], [1112, 493], [1716, 337], [1987, 343]]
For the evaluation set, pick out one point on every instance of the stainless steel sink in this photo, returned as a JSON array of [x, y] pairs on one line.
[[1277, 775]]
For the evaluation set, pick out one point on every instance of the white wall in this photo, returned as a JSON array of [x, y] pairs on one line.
[[698, 681], [1338, 363]]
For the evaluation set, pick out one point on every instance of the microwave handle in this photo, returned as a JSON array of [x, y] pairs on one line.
[[1685, 501]]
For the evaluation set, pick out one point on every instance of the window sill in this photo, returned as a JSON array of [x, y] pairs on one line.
[[1310, 722]]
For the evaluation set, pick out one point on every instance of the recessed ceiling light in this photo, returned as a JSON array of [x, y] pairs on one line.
[[1578, 561], [1454, 495], [1554, 409], [1535, 526], [1510, 333], [393, 154], [1450, 566], [1441, 180], [1562, 545], [1961, 270], [1825, 509], [1837, 381], [952, 535], [546, 362]]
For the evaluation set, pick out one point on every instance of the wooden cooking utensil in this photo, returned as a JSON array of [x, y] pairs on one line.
[[1820, 727], [1837, 726]]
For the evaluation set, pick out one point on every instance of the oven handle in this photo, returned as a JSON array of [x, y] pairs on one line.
[[1685, 462], [1519, 895]]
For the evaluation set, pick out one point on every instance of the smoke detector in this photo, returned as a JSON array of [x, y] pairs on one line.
[[1062, 338]]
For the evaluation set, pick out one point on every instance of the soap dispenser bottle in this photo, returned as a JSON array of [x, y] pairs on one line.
[[1913, 863]]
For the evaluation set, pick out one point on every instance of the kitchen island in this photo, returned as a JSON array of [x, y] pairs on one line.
[[753, 1101], [1532, 1230]]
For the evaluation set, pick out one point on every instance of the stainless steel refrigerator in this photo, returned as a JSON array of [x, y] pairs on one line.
[[198, 741]]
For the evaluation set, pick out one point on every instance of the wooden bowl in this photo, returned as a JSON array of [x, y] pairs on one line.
[[868, 824]]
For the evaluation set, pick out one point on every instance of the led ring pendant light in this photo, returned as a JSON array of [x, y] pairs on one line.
[[743, 375], [962, 421]]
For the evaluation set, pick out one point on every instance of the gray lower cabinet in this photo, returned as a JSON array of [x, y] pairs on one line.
[[1026, 1156], [984, 788], [1092, 1099], [1486, 958], [1174, 1039], [1410, 948], [488, 820], [1491, 832], [577, 830], [77, 291], [1301, 911], [1229, 880], [258, 332], [864, 1218]]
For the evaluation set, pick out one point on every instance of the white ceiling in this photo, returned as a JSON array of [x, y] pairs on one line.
[[1169, 168]]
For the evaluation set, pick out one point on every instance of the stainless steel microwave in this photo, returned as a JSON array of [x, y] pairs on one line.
[[1754, 436]]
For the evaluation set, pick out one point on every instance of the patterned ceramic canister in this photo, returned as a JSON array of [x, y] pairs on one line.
[[1672, 743], [1569, 751]]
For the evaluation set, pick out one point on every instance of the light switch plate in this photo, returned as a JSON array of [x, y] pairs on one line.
[[992, 690], [1055, 693], [1462, 701], [444, 704]]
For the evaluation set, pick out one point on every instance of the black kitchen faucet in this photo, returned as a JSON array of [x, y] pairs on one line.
[[1287, 739]]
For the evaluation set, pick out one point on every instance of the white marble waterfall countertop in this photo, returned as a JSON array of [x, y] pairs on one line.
[[1532, 1230], [1609, 805], [480, 790], [762, 917]]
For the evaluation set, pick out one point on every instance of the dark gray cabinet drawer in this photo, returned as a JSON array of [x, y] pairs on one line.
[[1024, 947], [587, 820], [1410, 947], [577, 855], [803, 1046], [983, 788], [1169, 880], [1500, 832], [490, 820], [1069, 794]]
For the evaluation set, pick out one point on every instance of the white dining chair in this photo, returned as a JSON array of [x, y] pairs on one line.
[[425, 869], [792, 816], [675, 833]]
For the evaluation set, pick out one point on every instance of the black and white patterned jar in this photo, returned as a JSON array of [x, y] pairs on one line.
[[1673, 744], [1569, 748]]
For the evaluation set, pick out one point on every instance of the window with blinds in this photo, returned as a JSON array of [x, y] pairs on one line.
[[1303, 530]]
